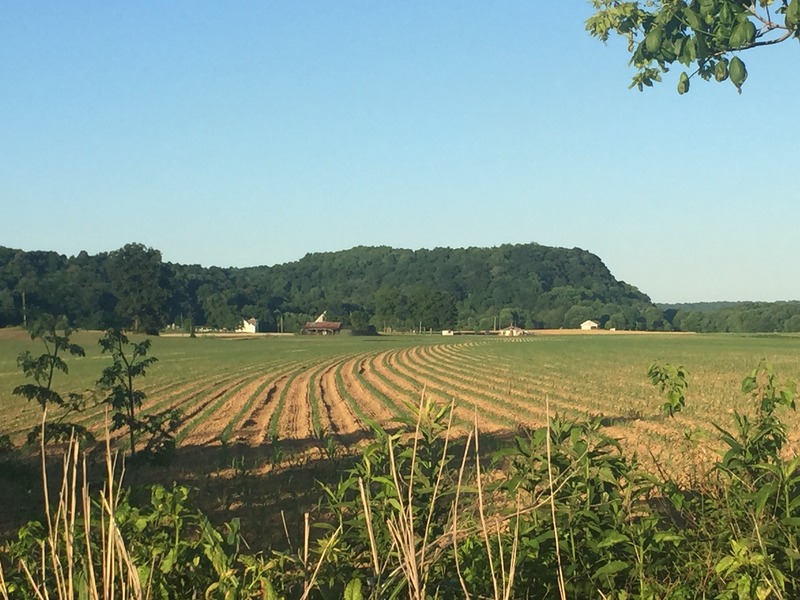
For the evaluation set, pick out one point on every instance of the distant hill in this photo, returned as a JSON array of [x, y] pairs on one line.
[[365, 287], [529, 284], [699, 306]]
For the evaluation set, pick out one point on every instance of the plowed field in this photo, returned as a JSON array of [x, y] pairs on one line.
[[251, 392]]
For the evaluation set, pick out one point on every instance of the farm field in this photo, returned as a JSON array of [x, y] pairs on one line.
[[251, 391], [267, 418]]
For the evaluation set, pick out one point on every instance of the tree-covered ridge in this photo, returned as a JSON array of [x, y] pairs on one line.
[[529, 285], [736, 317], [474, 288], [701, 306]]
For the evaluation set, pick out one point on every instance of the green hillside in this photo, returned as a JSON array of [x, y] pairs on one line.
[[529, 285]]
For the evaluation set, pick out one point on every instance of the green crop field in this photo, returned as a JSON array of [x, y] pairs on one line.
[[250, 390], [268, 422]]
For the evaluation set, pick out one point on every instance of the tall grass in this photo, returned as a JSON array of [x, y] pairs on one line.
[[66, 565]]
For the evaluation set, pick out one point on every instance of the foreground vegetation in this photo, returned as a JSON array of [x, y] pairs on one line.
[[543, 468], [420, 515]]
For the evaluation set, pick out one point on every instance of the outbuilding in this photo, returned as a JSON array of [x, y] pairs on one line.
[[589, 325], [322, 327], [512, 331], [249, 326]]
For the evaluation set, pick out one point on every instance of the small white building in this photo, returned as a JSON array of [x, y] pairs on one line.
[[589, 325], [249, 326], [512, 331], [448, 332]]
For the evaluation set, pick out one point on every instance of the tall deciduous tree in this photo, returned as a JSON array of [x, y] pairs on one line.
[[705, 36], [141, 282]]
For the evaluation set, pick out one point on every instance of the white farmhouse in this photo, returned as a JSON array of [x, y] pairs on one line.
[[249, 326]]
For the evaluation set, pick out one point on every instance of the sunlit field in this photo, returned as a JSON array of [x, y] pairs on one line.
[[251, 390]]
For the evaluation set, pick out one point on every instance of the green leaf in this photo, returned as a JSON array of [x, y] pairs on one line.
[[744, 586], [612, 567], [693, 19], [269, 591], [683, 83], [707, 7], [721, 70], [665, 536], [793, 15], [612, 539], [738, 73], [743, 34], [727, 563], [762, 496], [353, 590], [688, 52], [654, 39]]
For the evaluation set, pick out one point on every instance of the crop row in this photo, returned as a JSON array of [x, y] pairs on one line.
[[350, 394]]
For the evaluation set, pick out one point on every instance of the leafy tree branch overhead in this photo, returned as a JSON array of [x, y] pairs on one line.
[[705, 36]]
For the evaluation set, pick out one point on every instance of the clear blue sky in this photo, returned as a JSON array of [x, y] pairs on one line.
[[251, 133]]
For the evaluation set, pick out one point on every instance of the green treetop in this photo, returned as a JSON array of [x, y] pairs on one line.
[[705, 36]]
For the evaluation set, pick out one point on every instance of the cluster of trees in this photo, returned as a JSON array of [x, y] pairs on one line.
[[735, 317], [475, 288], [384, 288]]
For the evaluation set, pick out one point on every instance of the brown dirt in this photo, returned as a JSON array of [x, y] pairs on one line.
[[254, 428], [333, 408], [371, 405], [378, 376], [295, 420], [402, 362], [197, 408], [208, 433]]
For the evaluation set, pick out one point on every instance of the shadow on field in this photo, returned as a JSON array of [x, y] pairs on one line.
[[619, 420], [269, 487]]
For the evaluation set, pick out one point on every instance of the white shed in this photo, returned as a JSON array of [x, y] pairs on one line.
[[249, 325], [512, 331], [589, 325]]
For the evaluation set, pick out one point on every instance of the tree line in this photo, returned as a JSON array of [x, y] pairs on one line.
[[367, 288], [735, 317], [528, 285]]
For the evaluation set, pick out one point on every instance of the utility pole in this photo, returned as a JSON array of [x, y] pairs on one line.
[[24, 311]]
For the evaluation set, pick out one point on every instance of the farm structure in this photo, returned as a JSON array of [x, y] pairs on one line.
[[322, 327], [512, 331], [590, 325], [249, 326]]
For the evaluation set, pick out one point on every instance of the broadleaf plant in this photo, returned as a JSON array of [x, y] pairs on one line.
[[130, 360], [54, 333], [698, 34]]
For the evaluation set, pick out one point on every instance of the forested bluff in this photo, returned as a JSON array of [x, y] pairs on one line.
[[367, 288]]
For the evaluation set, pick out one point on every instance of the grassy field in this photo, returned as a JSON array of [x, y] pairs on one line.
[[253, 389], [288, 407]]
